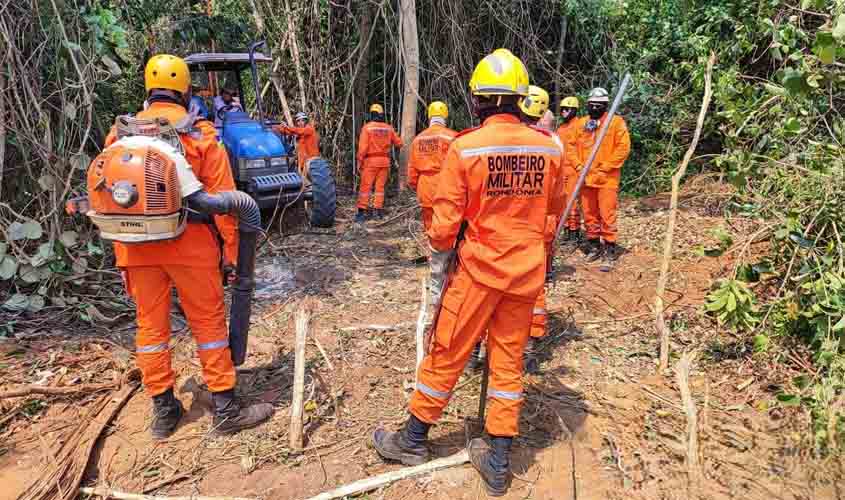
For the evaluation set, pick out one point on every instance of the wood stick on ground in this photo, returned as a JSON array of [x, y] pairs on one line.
[[660, 320], [302, 317], [28, 390], [109, 493], [374, 482], [682, 371], [323, 353], [420, 336], [376, 327]]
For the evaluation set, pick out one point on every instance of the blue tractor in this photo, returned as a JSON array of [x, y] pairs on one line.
[[263, 162]]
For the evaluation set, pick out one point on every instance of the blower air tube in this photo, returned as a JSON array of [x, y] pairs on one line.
[[249, 218]]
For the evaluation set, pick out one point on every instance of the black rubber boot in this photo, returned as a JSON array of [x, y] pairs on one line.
[[610, 255], [476, 361], [596, 252], [406, 446], [230, 417], [361, 216], [530, 361], [590, 246], [167, 411], [493, 463]]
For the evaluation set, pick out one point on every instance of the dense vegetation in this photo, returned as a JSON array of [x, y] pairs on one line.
[[775, 130]]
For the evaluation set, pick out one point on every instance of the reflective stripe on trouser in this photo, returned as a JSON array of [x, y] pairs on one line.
[[573, 221], [538, 318], [201, 295], [469, 310], [599, 205], [373, 180], [427, 215]]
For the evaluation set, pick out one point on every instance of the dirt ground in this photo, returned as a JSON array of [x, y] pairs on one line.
[[599, 422]]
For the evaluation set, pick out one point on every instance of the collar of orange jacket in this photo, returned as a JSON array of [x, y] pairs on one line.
[[166, 109], [501, 118]]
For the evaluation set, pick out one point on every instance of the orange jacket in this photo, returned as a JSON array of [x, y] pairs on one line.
[[428, 150], [503, 179], [197, 246], [607, 167], [308, 145], [374, 145]]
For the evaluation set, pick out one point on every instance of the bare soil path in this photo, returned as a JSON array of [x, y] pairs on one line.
[[598, 422]]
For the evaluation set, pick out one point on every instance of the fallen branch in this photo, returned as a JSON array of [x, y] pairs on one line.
[[323, 353], [28, 390], [60, 479], [377, 328], [682, 371], [107, 493], [660, 320], [374, 482]]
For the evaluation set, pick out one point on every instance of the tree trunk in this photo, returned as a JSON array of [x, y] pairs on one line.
[[411, 60], [294, 48], [564, 21], [360, 103]]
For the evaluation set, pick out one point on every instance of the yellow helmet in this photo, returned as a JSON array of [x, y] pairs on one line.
[[164, 71], [438, 108], [570, 102], [376, 108], [536, 103], [500, 73]]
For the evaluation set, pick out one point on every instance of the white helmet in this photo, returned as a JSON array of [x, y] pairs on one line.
[[598, 94], [302, 115]]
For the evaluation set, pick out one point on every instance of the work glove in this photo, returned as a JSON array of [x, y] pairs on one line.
[[439, 265]]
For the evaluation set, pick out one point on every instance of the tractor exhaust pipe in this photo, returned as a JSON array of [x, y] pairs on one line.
[[249, 224]]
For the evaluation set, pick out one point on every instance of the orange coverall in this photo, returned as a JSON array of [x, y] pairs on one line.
[[374, 161], [308, 143], [427, 153], [502, 179], [600, 192], [191, 262], [567, 134]]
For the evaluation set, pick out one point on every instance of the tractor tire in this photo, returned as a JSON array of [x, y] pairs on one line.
[[324, 200]]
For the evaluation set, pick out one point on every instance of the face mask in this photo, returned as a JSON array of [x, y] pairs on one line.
[[567, 114], [596, 110]]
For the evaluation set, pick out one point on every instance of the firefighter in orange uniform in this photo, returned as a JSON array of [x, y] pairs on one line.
[[192, 264], [535, 109], [428, 150], [308, 140], [567, 132], [499, 180], [373, 156], [599, 195]]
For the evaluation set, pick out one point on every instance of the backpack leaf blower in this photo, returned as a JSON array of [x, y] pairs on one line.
[[141, 189]]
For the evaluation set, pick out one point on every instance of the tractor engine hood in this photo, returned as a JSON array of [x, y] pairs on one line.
[[246, 138]]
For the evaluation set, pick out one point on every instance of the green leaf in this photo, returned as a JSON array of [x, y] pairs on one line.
[[716, 304], [47, 182], [36, 303], [113, 67], [789, 399], [792, 125], [69, 239], [32, 230], [839, 28], [761, 343], [17, 302], [8, 267], [793, 80], [801, 381], [840, 325], [80, 161], [827, 55], [731, 305], [800, 240], [29, 274], [16, 231], [774, 89]]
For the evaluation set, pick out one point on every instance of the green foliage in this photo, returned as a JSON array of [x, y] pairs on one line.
[[732, 303]]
